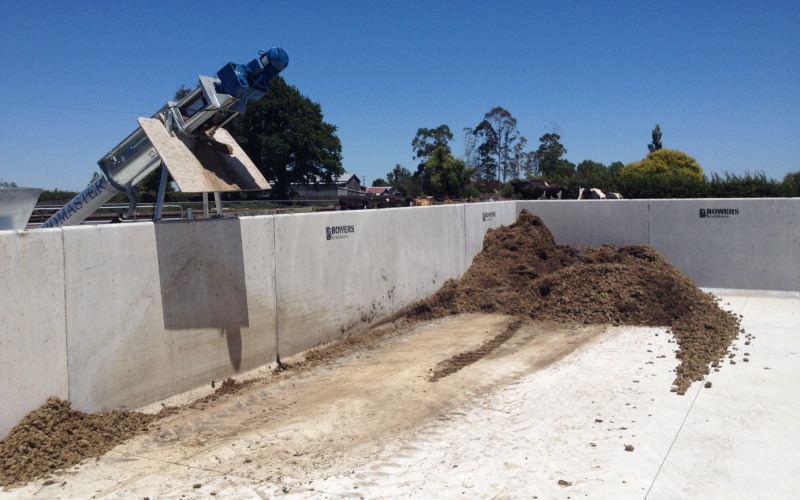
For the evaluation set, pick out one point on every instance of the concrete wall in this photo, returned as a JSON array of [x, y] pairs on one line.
[[33, 353], [751, 244], [737, 243], [340, 272], [479, 218], [153, 310], [333, 274], [118, 316], [593, 222], [428, 248]]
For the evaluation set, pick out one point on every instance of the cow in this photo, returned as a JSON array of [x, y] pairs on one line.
[[597, 194], [353, 203], [538, 190]]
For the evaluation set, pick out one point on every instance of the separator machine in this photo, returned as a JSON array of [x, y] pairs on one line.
[[187, 140]]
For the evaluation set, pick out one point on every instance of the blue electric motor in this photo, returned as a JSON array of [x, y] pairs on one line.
[[250, 81]]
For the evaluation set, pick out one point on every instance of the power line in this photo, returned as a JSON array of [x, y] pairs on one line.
[[72, 108]]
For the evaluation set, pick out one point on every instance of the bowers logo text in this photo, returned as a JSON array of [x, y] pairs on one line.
[[718, 213], [338, 232], [488, 216]]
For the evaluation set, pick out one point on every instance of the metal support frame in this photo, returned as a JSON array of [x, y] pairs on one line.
[[128, 190], [218, 203], [162, 191]]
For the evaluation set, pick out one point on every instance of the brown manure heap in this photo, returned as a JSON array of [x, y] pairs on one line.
[[55, 437], [522, 272]]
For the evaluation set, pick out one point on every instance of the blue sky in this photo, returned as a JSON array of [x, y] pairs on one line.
[[721, 78]]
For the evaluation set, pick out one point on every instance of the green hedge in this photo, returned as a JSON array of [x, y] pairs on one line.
[[726, 185]]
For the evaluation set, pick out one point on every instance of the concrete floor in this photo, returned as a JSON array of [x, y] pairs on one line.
[[562, 432], [571, 422]]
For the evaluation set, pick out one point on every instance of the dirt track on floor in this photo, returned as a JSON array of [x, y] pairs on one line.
[[336, 414]]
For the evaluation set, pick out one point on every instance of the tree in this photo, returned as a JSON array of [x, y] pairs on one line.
[[448, 176], [791, 184], [549, 157], [499, 133], [614, 169], [428, 140], [749, 185], [656, 144], [286, 137], [505, 126], [592, 174], [523, 163], [492, 150], [402, 181], [380, 182], [664, 173], [470, 146], [424, 144], [486, 166], [665, 163], [182, 92]]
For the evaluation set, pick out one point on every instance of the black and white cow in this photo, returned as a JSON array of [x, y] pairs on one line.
[[597, 194], [538, 190]]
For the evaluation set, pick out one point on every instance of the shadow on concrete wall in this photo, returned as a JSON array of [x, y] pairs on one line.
[[202, 275]]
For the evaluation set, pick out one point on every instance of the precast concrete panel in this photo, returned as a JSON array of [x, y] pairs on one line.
[[334, 275], [156, 309], [428, 247], [33, 348], [738, 243], [592, 223], [258, 246], [479, 218]]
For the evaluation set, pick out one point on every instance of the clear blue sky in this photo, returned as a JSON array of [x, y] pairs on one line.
[[721, 78]]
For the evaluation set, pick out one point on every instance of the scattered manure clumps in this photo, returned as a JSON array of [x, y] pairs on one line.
[[56, 437], [522, 272]]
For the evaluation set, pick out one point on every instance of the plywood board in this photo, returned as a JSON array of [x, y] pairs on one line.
[[203, 169]]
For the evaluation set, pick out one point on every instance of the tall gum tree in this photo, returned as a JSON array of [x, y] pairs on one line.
[[428, 140], [495, 138]]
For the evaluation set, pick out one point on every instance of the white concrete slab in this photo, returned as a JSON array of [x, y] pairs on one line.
[[33, 341], [740, 438], [571, 422]]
